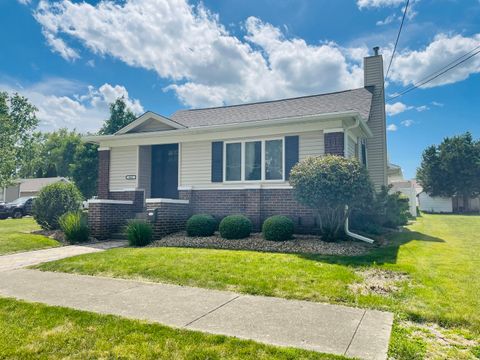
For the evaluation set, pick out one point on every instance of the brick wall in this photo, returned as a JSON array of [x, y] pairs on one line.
[[105, 219], [334, 143], [256, 204], [137, 196], [103, 174], [169, 218]]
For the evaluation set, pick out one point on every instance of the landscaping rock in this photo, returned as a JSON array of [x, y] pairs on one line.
[[300, 244]]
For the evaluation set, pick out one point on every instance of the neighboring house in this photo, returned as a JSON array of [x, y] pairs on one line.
[[235, 159], [438, 204], [406, 187], [27, 187]]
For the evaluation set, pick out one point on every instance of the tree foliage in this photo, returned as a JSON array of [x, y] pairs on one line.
[[326, 184], [120, 116], [451, 168], [17, 123]]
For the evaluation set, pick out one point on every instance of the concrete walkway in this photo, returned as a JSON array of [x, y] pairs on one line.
[[23, 259], [326, 328]]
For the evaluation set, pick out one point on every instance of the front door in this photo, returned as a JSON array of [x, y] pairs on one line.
[[165, 171]]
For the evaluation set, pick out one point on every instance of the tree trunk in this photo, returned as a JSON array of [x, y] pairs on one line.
[[466, 203]]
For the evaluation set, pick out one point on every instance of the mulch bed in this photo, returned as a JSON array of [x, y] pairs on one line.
[[300, 244]]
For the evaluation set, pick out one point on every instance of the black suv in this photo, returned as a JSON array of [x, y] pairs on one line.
[[17, 208]]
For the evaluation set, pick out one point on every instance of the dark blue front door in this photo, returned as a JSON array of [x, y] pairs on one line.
[[165, 171]]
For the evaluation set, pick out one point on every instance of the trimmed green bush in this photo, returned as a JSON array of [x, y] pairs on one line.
[[53, 201], [235, 227], [75, 226], [278, 228], [201, 225], [139, 232]]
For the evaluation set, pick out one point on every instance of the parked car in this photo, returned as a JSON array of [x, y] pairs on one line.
[[17, 208]]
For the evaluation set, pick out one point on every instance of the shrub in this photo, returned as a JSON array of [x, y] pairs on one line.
[[53, 201], [326, 184], [75, 226], [278, 228], [139, 233], [235, 227], [201, 225], [386, 210]]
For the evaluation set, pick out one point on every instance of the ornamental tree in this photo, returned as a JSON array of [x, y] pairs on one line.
[[327, 184]]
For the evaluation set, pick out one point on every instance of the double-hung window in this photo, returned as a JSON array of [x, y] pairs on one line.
[[254, 160]]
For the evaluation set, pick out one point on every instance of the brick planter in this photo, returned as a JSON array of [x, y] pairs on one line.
[[106, 217]]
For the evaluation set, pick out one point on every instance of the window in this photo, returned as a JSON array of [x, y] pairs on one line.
[[253, 160], [363, 152], [233, 162], [256, 160], [274, 160]]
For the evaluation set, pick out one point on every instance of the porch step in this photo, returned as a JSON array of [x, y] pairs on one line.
[[118, 236]]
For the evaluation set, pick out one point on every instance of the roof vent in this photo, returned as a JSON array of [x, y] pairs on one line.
[[375, 50]]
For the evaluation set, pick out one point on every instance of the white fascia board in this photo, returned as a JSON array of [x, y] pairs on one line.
[[147, 116], [308, 123], [108, 201], [165, 200]]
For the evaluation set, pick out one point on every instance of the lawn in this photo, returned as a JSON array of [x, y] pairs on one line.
[[15, 236], [33, 331], [437, 300]]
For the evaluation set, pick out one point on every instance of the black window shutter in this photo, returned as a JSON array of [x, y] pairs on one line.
[[217, 161], [291, 154]]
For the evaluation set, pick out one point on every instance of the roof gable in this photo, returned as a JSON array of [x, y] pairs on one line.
[[150, 122]]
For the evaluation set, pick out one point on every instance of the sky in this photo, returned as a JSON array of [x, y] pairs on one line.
[[73, 58]]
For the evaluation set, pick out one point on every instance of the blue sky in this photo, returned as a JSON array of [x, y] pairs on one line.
[[72, 58]]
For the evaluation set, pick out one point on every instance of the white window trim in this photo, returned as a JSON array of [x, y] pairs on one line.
[[242, 161]]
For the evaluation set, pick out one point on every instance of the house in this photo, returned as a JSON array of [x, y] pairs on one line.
[[27, 187], [439, 204], [235, 159], [406, 187]]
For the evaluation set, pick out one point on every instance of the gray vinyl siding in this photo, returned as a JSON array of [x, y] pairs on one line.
[[377, 145], [151, 125], [311, 144], [196, 163], [123, 161], [196, 158], [350, 147], [145, 169]]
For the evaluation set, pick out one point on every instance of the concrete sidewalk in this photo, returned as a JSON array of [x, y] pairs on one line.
[[28, 258], [321, 327]]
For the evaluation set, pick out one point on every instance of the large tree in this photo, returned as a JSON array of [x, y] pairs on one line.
[[452, 168], [120, 116], [17, 124]]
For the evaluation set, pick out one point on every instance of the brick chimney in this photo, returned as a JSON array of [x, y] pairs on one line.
[[377, 145]]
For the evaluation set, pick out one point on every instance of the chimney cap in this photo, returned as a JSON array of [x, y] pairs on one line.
[[375, 50]]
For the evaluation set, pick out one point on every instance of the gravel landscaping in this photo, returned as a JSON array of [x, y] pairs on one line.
[[300, 244]]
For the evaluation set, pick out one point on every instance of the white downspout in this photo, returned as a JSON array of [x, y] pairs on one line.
[[353, 235]]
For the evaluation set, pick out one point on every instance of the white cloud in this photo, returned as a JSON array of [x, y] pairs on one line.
[[410, 67], [187, 45], [24, 2], [422, 108], [378, 3], [436, 103], [396, 108], [407, 123], [64, 103], [392, 127], [388, 20]]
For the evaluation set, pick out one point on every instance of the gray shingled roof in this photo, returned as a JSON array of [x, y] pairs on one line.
[[349, 100]]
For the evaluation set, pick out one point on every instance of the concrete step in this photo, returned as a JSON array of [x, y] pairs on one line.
[[141, 216]]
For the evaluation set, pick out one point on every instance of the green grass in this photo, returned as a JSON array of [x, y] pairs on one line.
[[15, 236], [439, 253], [34, 331]]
